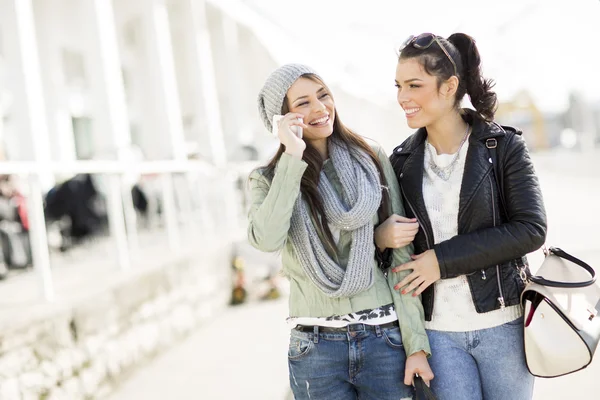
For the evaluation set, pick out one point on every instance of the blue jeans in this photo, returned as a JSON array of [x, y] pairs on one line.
[[485, 364], [354, 364]]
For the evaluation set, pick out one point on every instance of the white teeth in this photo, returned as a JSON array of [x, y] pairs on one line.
[[320, 120], [411, 110]]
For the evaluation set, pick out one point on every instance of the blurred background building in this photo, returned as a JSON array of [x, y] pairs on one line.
[[169, 79], [128, 128]]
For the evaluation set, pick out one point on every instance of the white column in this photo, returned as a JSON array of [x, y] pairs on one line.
[[2, 149], [108, 64], [50, 27], [111, 92], [236, 87], [167, 110], [116, 220], [201, 57], [35, 120], [170, 214]]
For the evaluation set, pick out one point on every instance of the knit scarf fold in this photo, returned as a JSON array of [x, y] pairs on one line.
[[353, 212]]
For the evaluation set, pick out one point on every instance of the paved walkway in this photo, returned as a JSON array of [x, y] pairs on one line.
[[240, 355], [224, 362]]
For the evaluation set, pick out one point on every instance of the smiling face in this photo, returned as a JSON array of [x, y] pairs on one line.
[[423, 101], [312, 99]]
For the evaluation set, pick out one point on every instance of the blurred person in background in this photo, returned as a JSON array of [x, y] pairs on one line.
[[318, 201], [472, 238], [15, 248]]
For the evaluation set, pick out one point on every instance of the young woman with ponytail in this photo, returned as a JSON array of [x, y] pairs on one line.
[[472, 240]]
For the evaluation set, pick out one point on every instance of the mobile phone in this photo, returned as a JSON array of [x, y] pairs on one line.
[[275, 131]]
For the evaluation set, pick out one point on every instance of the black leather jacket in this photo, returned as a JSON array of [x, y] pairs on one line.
[[490, 246]]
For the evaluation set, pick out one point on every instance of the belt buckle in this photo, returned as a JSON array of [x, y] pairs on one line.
[[356, 327]]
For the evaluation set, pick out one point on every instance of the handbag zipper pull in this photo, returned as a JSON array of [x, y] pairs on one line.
[[483, 277]]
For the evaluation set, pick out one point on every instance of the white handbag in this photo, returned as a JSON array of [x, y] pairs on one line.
[[562, 326]]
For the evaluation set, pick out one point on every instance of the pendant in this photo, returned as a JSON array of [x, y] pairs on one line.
[[442, 173]]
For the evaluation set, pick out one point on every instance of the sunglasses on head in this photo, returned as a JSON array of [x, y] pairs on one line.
[[423, 41]]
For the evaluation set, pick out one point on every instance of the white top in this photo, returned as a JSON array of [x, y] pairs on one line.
[[453, 307]]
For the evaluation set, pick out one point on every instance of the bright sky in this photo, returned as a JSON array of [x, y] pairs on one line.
[[547, 47]]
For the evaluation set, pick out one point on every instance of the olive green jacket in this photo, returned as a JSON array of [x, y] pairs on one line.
[[271, 207]]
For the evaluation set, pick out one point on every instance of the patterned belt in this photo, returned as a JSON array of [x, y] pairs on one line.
[[348, 328]]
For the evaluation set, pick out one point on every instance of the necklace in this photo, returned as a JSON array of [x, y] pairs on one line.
[[445, 172]]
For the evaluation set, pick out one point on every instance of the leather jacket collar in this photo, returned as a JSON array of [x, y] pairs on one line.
[[477, 166]]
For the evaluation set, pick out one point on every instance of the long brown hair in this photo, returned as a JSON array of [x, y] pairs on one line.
[[310, 179]]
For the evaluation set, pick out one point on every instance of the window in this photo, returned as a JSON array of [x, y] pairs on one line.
[[73, 68], [82, 134], [131, 33]]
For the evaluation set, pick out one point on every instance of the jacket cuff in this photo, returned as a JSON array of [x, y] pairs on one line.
[[289, 171], [383, 258], [440, 257], [424, 346], [291, 163]]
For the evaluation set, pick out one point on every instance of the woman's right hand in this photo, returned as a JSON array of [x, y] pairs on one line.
[[293, 144], [396, 232]]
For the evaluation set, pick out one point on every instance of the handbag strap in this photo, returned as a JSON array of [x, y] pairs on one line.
[[540, 280], [491, 144], [422, 391]]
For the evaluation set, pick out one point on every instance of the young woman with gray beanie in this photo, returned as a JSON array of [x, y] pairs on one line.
[[318, 201]]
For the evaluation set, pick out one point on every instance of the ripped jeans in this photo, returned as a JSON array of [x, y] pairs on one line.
[[363, 363]]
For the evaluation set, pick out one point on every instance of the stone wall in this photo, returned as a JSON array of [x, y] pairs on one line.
[[82, 350]]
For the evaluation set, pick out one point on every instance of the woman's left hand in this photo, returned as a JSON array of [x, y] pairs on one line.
[[425, 271], [417, 364]]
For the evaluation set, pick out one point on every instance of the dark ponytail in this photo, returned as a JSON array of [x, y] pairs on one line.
[[472, 82]]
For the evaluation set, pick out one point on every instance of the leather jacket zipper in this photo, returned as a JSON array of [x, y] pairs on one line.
[[417, 217], [426, 239], [501, 298]]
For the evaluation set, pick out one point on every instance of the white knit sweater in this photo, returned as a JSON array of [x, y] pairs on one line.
[[453, 307]]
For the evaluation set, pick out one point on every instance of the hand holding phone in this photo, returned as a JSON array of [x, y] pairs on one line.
[[296, 129], [288, 129]]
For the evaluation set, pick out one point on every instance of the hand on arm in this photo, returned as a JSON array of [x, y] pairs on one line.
[[396, 232], [425, 271]]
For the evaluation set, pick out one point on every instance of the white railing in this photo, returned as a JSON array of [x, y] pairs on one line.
[[121, 214]]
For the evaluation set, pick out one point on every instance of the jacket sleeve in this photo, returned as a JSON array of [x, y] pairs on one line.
[[409, 309], [525, 232], [272, 203]]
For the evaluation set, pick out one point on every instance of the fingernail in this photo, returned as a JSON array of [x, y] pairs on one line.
[[404, 292], [414, 295]]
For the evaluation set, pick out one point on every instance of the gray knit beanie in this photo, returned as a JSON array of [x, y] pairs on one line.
[[270, 97]]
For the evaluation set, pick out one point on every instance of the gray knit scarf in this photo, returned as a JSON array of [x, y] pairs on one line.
[[361, 185]]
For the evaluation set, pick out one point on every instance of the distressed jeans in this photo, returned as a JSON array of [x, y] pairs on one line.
[[360, 363], [486, 364]]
